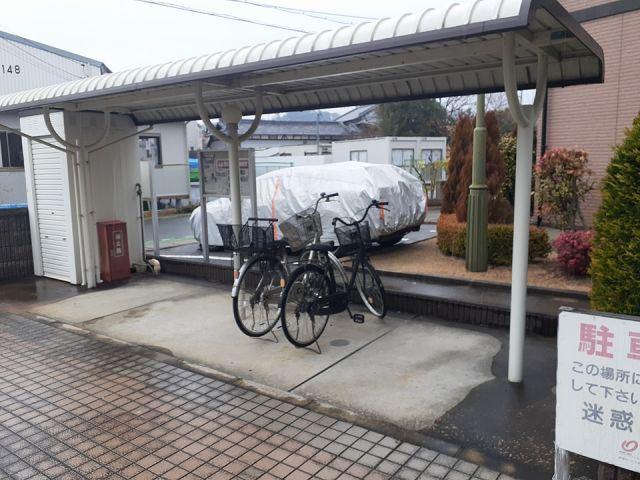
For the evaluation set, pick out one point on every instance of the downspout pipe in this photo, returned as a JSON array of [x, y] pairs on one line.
[[543, 134]]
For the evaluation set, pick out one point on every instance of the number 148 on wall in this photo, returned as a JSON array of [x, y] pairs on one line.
[[11, 69]]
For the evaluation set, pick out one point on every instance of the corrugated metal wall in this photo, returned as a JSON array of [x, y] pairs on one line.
[[23, 67]]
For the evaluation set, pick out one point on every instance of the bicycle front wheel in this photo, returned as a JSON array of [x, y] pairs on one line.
[[308, 285], [256, 298], [371, 289]]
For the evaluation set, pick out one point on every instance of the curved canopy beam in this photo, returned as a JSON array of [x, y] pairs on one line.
[[72, 146], [511, 84], [202, 111], [54, 134], [542, 79], [105, 132], [204, 116], [256, 120]]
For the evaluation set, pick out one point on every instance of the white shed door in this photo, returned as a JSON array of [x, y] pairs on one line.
[[50, 181]]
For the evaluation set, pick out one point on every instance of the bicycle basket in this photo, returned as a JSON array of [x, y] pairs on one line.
[[260, 238], [301, 229], [234, 237], [251, 238], [352, 237]]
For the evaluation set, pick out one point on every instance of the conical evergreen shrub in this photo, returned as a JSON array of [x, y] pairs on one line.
[[615, 267], [461, 148]]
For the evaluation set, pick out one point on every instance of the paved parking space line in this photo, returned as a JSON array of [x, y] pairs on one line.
[[328, 367]]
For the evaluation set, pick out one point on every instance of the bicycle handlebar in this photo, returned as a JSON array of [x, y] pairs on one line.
[[325, 197], [374, 203]]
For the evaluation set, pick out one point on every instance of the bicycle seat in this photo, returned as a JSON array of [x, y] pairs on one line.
[[321, 247]]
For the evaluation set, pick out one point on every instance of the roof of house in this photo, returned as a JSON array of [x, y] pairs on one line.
[[48, 48], [288, 128], [357, 114], [452, 48]]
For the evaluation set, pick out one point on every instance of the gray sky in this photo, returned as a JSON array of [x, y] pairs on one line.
[[127, 34]]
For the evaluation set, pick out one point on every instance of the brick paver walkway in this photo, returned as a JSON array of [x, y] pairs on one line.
[[76, 408]]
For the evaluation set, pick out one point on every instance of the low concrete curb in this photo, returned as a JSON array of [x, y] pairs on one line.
[[459, 301]]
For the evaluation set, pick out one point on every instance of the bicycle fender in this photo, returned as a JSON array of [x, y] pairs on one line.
[[236, 281]]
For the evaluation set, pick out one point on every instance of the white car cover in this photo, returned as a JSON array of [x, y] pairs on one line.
[[284, 192]]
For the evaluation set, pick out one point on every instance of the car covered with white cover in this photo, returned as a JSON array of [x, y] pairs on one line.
[[282, 193]]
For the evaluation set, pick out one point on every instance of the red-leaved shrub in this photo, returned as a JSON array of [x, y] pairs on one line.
[[574, 251]]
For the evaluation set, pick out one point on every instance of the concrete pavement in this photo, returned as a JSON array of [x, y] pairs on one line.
[[72, 407], [396, 370], [454, 390]]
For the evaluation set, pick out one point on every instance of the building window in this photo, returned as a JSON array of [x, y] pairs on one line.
[[430, 156], [402, 157], [358, 156], [11, 151], [150, 150]]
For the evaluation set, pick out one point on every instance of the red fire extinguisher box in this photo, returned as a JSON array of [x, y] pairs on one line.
[[114, 251]]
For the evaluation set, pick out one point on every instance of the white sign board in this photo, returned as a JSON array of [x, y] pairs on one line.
[[598, 388], [214, 172]]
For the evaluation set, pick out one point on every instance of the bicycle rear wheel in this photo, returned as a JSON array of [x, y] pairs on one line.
[[256, 298], [307, 285], [371, 289]]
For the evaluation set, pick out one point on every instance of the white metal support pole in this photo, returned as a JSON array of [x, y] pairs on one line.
[[231, 115], [231, 118], [155, 225], [76, 175], [89, 263], [525, 116], [520, 261], [252, 184], [204, 235]]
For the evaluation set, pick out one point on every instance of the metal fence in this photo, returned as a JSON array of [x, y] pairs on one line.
[[16, 259]]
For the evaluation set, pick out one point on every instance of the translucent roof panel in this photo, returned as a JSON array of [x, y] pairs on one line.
[[451, 48]]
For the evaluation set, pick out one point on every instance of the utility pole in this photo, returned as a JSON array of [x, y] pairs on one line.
[[476, 259]]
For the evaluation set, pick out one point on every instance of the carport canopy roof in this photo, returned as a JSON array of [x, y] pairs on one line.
[[452, 48]]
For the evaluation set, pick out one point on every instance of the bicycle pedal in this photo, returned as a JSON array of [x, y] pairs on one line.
[[358, 318]]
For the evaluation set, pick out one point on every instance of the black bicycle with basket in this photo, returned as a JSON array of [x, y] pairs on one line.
[[262, 278], [313, 291]]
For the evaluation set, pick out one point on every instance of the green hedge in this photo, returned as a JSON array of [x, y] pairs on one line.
[[615, 260], [452, 237]]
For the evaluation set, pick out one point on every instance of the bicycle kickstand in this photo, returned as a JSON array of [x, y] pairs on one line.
[[318, 351], [274, 335]]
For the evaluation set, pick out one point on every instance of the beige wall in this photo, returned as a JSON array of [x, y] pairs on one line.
[[594, 117], [573, 5]]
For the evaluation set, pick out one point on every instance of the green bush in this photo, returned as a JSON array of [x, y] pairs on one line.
[[615, 262], [452, 237], [564, 179]]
